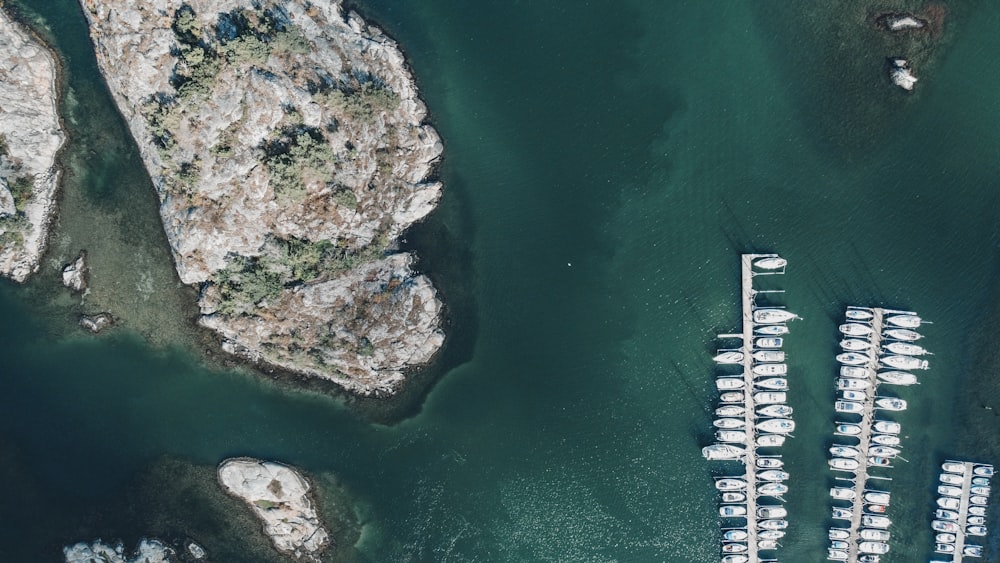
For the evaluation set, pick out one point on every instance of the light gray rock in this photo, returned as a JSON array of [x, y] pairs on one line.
[[96, 323], [899, 73], [313, 139], [31, 134], [148, 551], [279, 497], [74, 275]]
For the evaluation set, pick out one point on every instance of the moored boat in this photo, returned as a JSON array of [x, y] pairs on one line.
[[980, 500], [838, 534], [768, 512], [770, 397], [771, 263], [773, 475], [885, 439], [977, 511], [732, 510], [897, 377], [775, 411], [852, 395], [944, 526], [735, 535], [880, 461], [733, 548], [852, 384], [849, 407], [942, 514], [883, 451], [769, 356], [729, 357], [980, 490], [729, 383], [731, 397], [976, 530], [903, 334], [848, 429], [906, 349], [951, 503], [874, 521], [772, 383], [772, 489], [983, 481], [975, 520], [770, 369], [776, 426], [855, 344], [983, 470], [733, 436], [771, 330], [875, 508], [842, 493], [770, 463], [773, 316], [945, 538], [859, 315], [730, 410], [767, 544], [729, 423], [845, 451], [949, 490], [730, 484], [735, 558], [836, 554], [905, 362], [841, 513], [972, 551], [769, 342], [871, 534], [852, 359], [855, 329], [844, 464], [770, 440], [887, 427], [776, 524], [891, 404], [854, 371], [904, 321], [730, 497], [877, 548]]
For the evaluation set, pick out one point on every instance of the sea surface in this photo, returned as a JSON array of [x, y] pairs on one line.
[[606, 163]]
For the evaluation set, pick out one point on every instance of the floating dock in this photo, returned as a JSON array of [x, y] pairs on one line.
[[971, 475], [773, 526]]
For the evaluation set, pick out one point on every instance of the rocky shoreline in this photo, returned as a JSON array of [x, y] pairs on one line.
[[30, 138], [289, 149]]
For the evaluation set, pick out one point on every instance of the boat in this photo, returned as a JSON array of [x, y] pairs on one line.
[[774, 383], [776, 426], [980, 500], [978, 520], [944, 526], [770, 534], [906, 349], [770, 440], [767, 544], [767, 512], [983, 470], [903, 334], [944, 548], [875, 508], [730, 423], [872, 534], [897, 377], [771, 263], [877, 548], [769, 397], [735, 535], [729, 383], [905, 362], [954, 467], [730, 484], [730, 357], [951, 503], [836, 554], [842, 493], [735, 558], [839, 534], [887, 427], [776, 524], [732, 510], [848, 429], [983, 481], [730, 410], [977, 511], [949, 490], [875, 521], [891, 404], [880, 461], [769, 356], [945, 538], [769, 342], [980, 490], [771, 330], [884, 451], [852, 358], [852, 384], [733, 548], [855, 344], [841, 513], [942, 514], [851, 395], [770, 463], [732, 436], [849, 407], [877, 497], [855, 371], [885, 439], [775, 411], [772, 489], [973, 551], [844, 464], [859, 315], [770, 369], [976, 530], [731, 397], [773, 475], [904, 321], [856, 329], [773, 316], [844, 451], [731, 497]]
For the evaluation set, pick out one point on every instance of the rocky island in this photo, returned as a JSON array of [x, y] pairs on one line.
[[30, 138], [279, 497], [287, 145]]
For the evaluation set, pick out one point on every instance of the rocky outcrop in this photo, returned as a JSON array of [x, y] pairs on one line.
[[279, 497], [96, 323], [30, 137], [74, 275], [896, 22], [899, 73], [149, 551], [287, 145]]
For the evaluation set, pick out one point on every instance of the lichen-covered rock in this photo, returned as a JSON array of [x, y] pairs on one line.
[[74, 274], [30, 137], [149, 551], [96, 323], [288, 147], [279, 497]]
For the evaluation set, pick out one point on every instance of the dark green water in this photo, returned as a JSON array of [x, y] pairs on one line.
[[606, 164]]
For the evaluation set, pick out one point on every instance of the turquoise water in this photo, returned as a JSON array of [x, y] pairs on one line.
[[606, 164]]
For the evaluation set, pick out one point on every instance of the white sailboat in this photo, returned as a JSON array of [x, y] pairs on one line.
[[849, 407], [845, 451], [770, 369], [771, 263], [773, 383], [885, 439], [887, 427], [891, 404], [730, 410], [771, 330], [722, 451], [769, 356], [904, 321], [905, 362], [859, 315], [773, 316], [770, 440], [729, 423], [773, 475], [844, 464], [856, 329], [769, 342], [906, 349], [855, 344], [776, 426], [852, 384], [775, 411], [855, 371], [731, 397], [852, 358], [770, 397], [898, 377], [729, 383], [729, 357], [903, 334]]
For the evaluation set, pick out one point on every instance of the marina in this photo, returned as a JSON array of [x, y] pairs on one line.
[[759, 391], [871, 440], [961, 514]]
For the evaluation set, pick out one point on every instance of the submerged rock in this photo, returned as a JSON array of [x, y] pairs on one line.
[[74, 275], [149, 551], [900, 22], [97, 323], [279, 497], [30, 137], [287, 144], [899, 73]]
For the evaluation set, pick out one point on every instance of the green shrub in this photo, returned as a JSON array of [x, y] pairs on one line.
[[345, 197], [244, 283], [305, 156], [247, 49], [21, 188], [362, 104], [290, 42]]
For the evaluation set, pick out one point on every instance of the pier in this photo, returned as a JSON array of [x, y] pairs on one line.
[[750, 461], [968, 472]]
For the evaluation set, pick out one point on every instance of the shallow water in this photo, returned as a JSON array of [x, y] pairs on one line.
[[606, 164]]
